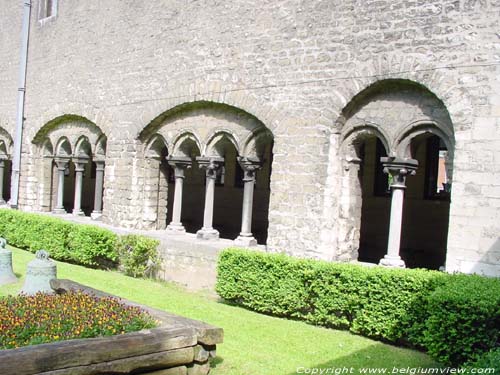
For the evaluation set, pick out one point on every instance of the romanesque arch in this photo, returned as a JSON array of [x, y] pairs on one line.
[[71, 154], [407, 127], [217, 163]]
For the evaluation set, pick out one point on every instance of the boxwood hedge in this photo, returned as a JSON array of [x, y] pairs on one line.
[[453, 317], [87, 245]]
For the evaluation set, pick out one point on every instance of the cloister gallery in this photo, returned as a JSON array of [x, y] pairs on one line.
[[304, 136]]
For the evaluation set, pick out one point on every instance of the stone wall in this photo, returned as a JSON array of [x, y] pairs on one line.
[[298, 68]]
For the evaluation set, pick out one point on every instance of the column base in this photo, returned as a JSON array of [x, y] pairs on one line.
[[389, 261], [207, 234], [96, 215], [179, 228], [59, 211], [3, 203], [78, 213], [245, 241]]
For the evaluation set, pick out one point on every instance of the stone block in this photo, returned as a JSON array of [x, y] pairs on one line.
[[198, 369]]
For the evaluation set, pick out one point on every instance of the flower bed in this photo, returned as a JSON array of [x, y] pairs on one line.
[[178, 346], [42, 318]]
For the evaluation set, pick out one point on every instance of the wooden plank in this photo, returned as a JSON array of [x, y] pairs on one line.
[[63, 354], [142, 363]]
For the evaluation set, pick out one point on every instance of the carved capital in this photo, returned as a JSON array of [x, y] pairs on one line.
[[210, 165], [180, 164], [80, 162], [99, 165], [61, 162], [250, 166], [399, 169]]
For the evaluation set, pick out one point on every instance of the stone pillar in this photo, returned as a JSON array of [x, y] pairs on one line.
[[211, 165], [250, 167], [79, 168], [398, 169], [2, 167], [99, 184], [62, 164], [180, 164]]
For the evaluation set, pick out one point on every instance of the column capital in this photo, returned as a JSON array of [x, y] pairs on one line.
[[99, 164], [61, 162], [399, 168], [210, 164], [80, 162], [180, 164], [250, 166]]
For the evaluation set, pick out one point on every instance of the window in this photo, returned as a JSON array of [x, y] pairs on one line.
[[47, 9], [437, 184]]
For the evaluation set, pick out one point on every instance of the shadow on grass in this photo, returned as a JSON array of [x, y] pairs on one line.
[[214, 362], [375, 358]]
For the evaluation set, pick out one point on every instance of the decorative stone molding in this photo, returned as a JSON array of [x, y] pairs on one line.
[[399, 169]]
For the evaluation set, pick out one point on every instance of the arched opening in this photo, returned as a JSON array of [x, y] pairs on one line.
[[71, 174], [408, 126], [85, 170], [427, 203], [63, 166], [228, 198], [376, 200], [213, 146], [187, 148]]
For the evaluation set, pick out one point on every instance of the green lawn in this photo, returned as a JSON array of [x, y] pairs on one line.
[[254, 344]]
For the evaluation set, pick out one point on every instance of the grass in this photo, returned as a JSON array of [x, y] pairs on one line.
[[254, 344]]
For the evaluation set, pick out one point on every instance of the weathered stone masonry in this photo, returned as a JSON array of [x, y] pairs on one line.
[[314, 83]]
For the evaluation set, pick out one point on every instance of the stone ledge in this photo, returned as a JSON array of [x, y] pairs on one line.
[[169, 349]]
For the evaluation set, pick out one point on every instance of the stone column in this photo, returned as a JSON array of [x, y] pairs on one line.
[[79, 168], [211, 165], [180, 164], [62, 164], [250, 167], [398, 169], [2, 170], [99, 184]]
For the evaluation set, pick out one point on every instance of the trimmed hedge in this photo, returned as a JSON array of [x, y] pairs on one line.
[[489, 360], [418, 307], [87, 245]]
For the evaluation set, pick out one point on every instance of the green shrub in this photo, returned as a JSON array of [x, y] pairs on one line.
[[462, 319], [92, 246], [81, 244], [138, 255], [489, 360], [372, 301], [454, 317]]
